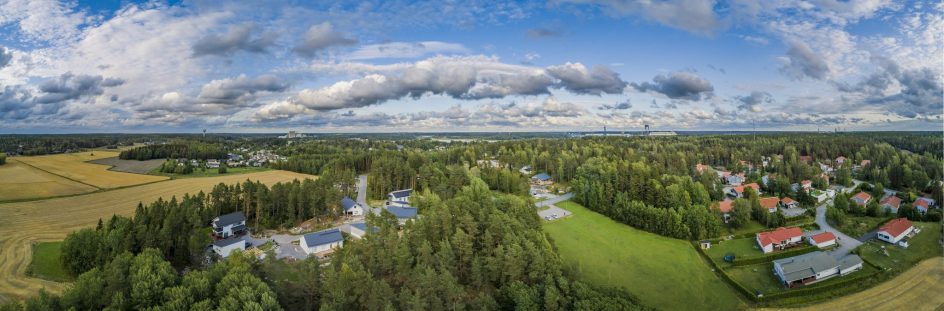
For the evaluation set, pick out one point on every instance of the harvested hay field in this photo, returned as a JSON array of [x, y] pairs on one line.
[[25, 223], [919, 288], [21, 182], [74, 166], [129, 166]]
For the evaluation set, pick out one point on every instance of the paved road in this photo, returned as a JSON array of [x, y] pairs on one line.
[[553, 209], [362, 190], [556, 200], [846, 243]]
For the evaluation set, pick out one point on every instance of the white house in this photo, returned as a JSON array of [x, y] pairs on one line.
[[862, 198], [351, 208], [823, 240], [213, 163], [895, 230], [923, 204], [399, 197], [321, 241], [779, 239], [789, 202], [891, 204], [814, 267], [228, 225], [226, 246]]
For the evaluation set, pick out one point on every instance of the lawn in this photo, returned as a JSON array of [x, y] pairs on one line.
[[923, 246], [856, 226], [212, 172], [751, 227], [761, 277], [662, 272], [46, 264], [744, 247]]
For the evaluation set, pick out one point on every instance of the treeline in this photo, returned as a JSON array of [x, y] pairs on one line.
[[147, 282], [3, 158], [189, 150], [475, 251]]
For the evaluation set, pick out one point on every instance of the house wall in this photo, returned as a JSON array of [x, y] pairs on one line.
[[356, 210], [225, 251], [827, 273], [767, 249], [778, 270], [885, 236], [826, 244], [320, 248]]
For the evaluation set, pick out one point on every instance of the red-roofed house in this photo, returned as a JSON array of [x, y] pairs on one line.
[[823, 240], [779, 239], [895, 230], [738, 191], [923, 204], [789, 203], [807, 185], [770, 204], [725, 207], [700, 168], [891, 203], [862, 198]]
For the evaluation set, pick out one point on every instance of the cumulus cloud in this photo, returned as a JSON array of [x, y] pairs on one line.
[[5, 57], [909, 93], [237, 38], [754, 101], [239, 90], [619, 106], [70, 87], [469, 78], [801, 62], [694, 16], [678, 85], [320, 37]]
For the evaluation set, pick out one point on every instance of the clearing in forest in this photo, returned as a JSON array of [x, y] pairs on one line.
[[662, 272], [73, 166]]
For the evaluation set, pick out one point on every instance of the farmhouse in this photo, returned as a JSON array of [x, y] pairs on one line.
[[895, 230], [228, 225], [403, 213], [351, 208], [541, 179], [891, 204], [725, 207], [770, 204], [823, 240], [779, 239], [738, 192], [923, 204], [226, 246], [321, 242], [789, 202], [862, 198], [814, 267], [399, 197]]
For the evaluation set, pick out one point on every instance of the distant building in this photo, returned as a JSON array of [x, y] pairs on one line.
[[891, 204], [770, 204], [738, 192], [228, 225], [403, 213], [541, 179], [226, 246], [399, 197], [922, 204], [351, 208], [862, 198], [788, 202], [321, 242]]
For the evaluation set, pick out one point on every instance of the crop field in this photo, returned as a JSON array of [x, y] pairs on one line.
[[129, 166], [660, 271], [20, 181], [74, 166], [25, 223]]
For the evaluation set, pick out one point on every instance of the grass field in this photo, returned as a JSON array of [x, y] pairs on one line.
[[212, 172], [662, 272], [20, 182], [744, 247], [130, 166], [46, 263], [923, 246], [856, 226], [73, 166], [761, 277], [25, 223]]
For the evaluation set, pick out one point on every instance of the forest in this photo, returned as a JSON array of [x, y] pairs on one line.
[[191, 150]]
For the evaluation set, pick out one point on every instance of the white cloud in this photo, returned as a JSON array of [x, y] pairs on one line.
[[396, 50]]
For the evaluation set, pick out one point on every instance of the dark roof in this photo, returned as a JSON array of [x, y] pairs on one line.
[[347, 203], [806, 265], [323, 237], [401, 193], [229, 219], [542, 177], [363, 227], [402, 212], [229, 241], [849, 261]]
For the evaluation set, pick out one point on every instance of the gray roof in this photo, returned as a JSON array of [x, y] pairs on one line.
[[402, 212], [229, 219], [806, 265], [849, 261], [363, 227], [323, 237], [347, 203], [229, 241], [401, 193], [542, 177]]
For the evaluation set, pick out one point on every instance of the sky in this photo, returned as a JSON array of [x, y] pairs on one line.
[[410, 66]]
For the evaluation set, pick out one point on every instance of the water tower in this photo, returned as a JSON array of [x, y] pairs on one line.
[[647, 129]]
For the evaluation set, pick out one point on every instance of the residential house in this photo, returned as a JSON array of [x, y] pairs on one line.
[[738, 191], [226, 246], [807, 185], [779, 239], [825, 177], [351, 208], [788, 202], [922, 204], [891, 204], [895, 230], [726, 207], [701, 168], [403, 213], [723, 175], [358, 229], [865, 163], [736, 179], [228, 225], [525, 170], [862, 198], [814, 267], [321, 242], [399, 197], [767, 179], [823, 240], [840, 160], [541, 179], [213, 163], [770, 204]]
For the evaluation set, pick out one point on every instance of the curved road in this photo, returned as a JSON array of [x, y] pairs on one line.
[[846, 243], [553, 209]]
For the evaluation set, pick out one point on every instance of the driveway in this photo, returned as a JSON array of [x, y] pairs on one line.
[[556, 200], [285, 249], [362, 190], [846, 243], [553, 209], [793, 212]]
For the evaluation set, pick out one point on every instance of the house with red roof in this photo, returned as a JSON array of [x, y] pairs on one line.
[[700, 168], [823, 240], [891, 204], [895, 230], [738, 191], [862, 198], [807, 185], [770, 204], [781, 238], [725, 207], [923, 204], [788, 202]]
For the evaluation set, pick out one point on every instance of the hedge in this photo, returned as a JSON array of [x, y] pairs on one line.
[[784, 254]]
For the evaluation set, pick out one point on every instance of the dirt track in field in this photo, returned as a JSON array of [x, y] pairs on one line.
[[24, 223]]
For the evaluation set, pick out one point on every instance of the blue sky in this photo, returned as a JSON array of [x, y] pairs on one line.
[[120, 66]]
